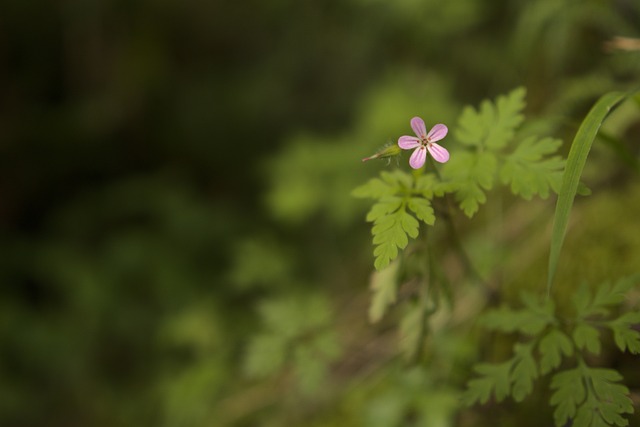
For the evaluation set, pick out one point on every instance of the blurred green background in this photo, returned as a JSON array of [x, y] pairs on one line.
[[179, 244]]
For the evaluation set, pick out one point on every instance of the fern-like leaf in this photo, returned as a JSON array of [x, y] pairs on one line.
[[527, 170], [494, 379], [469, 175], [590, 397], [524, 372], [494, 124], [624, 334], [586, 337], [530, 320], [552, 347], [606, 296], [570, 392]]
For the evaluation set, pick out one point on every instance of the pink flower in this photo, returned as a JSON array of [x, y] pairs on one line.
[[424, 142]]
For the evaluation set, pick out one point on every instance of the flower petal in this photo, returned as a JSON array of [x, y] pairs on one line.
[[417, 124], [439, 154], [418, 157], [437, 132], [408, 142]]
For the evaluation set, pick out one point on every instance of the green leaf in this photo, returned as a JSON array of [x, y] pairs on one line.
[[552, 347], [612, 400], [524, 371], [423, 209], [590, 397], [570, 392], [528, 172], [529, 321], [494, 378], [575, 164], [398, 178], [385, 206], [587, 337], [384, 286], [388, 236], [388, 184], [606, 296], [468, 175], [624, 334], [494, 124], [390, 233], [374, 188], [426, 185]]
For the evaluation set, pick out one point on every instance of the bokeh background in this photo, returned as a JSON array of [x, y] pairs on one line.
[[179, 246]]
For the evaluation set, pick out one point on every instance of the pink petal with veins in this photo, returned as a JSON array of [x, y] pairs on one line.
[[437, 132], [418, 157], [408, 142], [439, 154], [417, 124]]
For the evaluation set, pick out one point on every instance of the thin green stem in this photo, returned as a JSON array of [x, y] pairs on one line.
[[454, 235]]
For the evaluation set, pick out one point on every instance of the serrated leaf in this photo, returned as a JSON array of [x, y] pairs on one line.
[[494, 124], [624, 334], [528, 172], [426, 185], [494, 378], [587, 337], [397, 178], [468, 175], [613, 399], [390, 234], [410, 225], [591, 397], [569, 393], [555, 344], [530, 320], [375, 188], [383, 207], [509, 116], [384, 288], [423, 209], [606, 296], [524, 372], [611, 295]]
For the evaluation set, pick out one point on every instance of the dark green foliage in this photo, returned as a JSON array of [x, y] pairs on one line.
[[298, 331], [588, 396]]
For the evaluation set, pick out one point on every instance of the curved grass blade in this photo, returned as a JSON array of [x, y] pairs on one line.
[[578, 153]]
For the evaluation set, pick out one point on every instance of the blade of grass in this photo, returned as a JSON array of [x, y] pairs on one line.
[[578, 153]]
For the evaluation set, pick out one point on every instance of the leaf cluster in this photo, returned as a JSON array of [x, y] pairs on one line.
[[403, 200], [492, 152], [587, 396], [527, 166]]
